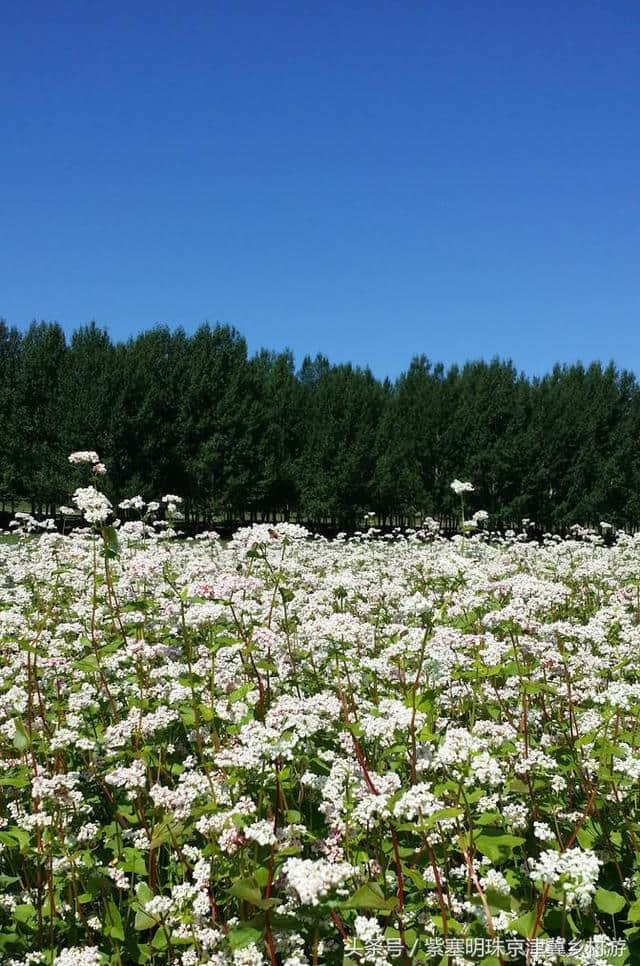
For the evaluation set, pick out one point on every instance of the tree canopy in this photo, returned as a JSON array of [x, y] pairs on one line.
[[241, 436]]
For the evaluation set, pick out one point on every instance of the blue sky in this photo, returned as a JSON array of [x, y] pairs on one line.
[[370, 180]]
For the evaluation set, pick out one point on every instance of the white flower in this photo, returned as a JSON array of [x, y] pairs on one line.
[[84, 456], [247, 956], [311, 881], [132, 778], [134, 503], [88, 832], [543, 832], [496, 881], [158, 907], [418, 801], [78, 956], [459, 487], [576, 871], [94, 505], [261, 832], [368, 930], [119, 877]]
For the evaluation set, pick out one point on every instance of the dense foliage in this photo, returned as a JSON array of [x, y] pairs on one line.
[[242, 436], [292, 752]]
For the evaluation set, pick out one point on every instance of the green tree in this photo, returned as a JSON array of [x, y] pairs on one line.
[[11, 430], [42, 472]]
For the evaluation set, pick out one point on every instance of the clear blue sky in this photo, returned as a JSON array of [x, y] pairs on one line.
[[370, 180]]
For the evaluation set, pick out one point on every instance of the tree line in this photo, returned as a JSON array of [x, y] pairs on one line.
[[243, 437]]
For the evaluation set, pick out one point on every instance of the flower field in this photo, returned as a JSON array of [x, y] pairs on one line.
[[288, 750]]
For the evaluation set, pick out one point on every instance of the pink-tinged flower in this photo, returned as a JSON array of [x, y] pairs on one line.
[[84, 456]]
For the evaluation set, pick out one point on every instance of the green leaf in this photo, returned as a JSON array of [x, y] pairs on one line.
[[133, 861], [98, 885], [416, 878], [24, 913], [111, 547], [19, 779], [242, 936], [163, 833], [370, 896], [497, 845], [609, 902], [114, 927], [88, 663], [440, 815], [205, 712], [15, 836], [20, 739], [143, 920], [498, 900], [249, 891], [634, 911], [187, 717], [144, 893], [261, 876], [524, 924], [159, 940], [239, 693]]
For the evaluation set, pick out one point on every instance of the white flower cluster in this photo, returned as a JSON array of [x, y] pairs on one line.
[[84, 456], [60, 790], [493, 879], [94, 505], [261, 832], [132, 778], [458, 487], [78, 956], [417, 802], [158, 907], [180, 800], [310, 881], [276, 703], [575, 871], [133, 503]]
